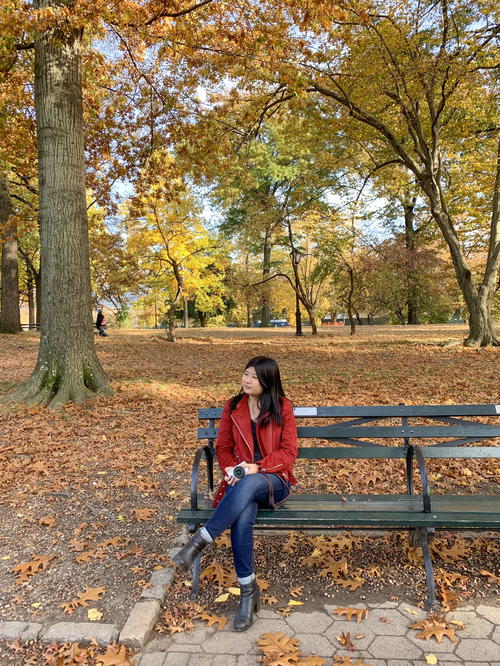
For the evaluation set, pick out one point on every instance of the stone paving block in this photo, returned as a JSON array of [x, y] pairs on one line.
[[309, 623], [159, 645], [196, 636], [388, 622], [206, 660], [395, 646], [352, 628], [496, 635], [176, 659], [315, 644], [76, 632], [331, 607], [386, 604], [399, 662], [139, 623], [413, 613], [491, 613], [227, 642], [153, 659], [25, 631], [247, 660], [478, 649], [264, 612], [475, 625], [160, 580]]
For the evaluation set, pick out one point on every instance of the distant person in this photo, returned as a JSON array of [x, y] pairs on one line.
[[100, 324]]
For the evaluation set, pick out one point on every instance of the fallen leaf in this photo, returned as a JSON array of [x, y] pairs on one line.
[[221, 598], [93, 614], [431, 659]]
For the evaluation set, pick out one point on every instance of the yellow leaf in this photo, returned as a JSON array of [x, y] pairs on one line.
[[431, 659], [157, 567], [120, 518], [187, 583], [101, 473], [409, 610], [93, 614], [5, 557], [234, 590], [37, 604], [459, 624], [292, 602], [222, 597], [316, 553]]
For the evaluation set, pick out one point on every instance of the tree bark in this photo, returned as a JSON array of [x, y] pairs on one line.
[[186, 313], [10, 318], [67, 368]]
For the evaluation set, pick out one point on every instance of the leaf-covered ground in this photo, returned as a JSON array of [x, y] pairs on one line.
[[88, 495]]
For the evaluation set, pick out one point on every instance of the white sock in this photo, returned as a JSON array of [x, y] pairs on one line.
[[206, 535], [246, 580]]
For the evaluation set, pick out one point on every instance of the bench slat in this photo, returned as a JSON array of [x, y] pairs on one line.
[[462, 503], [384, 411], [382, 432], [398, 452]]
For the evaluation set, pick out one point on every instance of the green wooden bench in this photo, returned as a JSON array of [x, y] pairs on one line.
[[451, 435]]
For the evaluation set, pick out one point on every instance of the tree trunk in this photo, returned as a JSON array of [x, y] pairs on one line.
[[412, 296], [186, 313], [479, 301], [312, 318], [266, 271], [171, 322], [203, 318], [249, 316], [67, 367], [10, 319], [350, 309]]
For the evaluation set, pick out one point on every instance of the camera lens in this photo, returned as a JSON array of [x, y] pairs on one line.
[[238, 472]]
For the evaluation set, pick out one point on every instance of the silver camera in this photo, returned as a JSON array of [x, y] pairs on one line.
[[237, 472]]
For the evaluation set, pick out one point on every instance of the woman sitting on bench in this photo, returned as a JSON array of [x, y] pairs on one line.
[[256, 448]]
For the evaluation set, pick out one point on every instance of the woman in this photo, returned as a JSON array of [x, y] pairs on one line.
[[258, 432]]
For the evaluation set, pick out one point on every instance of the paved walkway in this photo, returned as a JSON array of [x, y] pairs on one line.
[[384, 639]]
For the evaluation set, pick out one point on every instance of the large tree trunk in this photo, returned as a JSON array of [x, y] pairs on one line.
[[67, 367], [266, 271], [10, 319], [479, 300]]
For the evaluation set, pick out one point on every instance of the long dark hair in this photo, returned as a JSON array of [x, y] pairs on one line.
[[269, 377]]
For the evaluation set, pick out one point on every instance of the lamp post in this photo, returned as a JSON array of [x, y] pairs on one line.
[[296, 256]]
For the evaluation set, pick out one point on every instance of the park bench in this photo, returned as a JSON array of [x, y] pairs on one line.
[[361, 432]]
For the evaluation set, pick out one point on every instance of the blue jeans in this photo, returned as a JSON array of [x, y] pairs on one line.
[[238, 510]]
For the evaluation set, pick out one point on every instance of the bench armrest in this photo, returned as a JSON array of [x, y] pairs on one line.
[[207, 452], [415, 451]]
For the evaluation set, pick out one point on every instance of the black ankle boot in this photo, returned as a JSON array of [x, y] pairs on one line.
[[249, 604], [188, 552]]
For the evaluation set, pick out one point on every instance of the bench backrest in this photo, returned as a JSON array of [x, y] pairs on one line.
[[451, 424]]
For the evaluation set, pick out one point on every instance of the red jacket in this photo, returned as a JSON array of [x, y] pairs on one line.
[[278, 443]]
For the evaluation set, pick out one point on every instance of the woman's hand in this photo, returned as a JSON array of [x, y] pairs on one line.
[[230, 480], [251, 468]]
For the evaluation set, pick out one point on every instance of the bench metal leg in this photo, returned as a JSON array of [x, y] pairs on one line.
[[430, 602], [195, 580]]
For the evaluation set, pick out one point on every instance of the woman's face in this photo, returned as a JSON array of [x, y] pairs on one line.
[[250, 383]]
